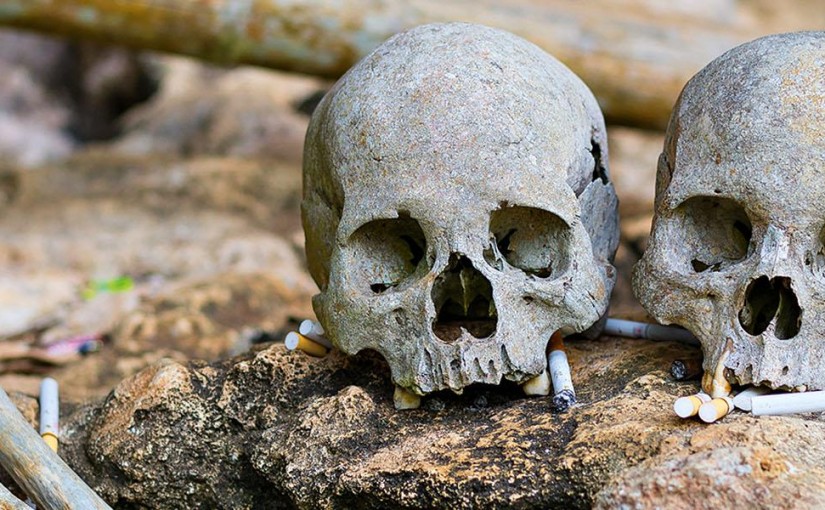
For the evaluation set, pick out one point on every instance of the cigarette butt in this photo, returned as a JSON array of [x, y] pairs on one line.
[[564, 395], [49, 412], [297, 341], [685, 407], [633, 329], [686, 369], [716, 409], [563, 400], [50, 440], [788, 403], [315, 332], [744, 399]]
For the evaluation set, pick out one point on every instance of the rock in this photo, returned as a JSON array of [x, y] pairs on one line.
[[56, 94], [273, 429], [743, 462], [201, 238], [634, 156], [200, 109]]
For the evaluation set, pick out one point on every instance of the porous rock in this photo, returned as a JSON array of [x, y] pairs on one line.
[[277, 429]]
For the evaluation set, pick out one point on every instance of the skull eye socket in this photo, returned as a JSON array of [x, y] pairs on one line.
[[530, 239], [715, 233], [383, 253]]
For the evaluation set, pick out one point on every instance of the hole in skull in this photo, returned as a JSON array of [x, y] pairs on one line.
[[768, 299], [383, 253], [599, 171], [463, 299], [530, 239], [715, 233]]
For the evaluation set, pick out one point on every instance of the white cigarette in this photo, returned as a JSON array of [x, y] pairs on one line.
[[49, 412], [633, 329], [788, 403], [685, 407], [716, 409], [314, 331], [743, 399], [297, 341], [564, 395]]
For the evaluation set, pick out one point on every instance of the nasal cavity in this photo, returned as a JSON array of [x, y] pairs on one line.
[[463, 299], [768, 301]]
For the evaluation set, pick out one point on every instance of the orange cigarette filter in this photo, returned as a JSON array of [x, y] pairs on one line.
[[297, 341], [557, 342], [716, 409]]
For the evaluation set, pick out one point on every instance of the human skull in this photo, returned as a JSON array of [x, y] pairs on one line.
[[737, 248], [457, 207]]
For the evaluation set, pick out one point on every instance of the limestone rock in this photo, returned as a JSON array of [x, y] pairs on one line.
[[277, 429]]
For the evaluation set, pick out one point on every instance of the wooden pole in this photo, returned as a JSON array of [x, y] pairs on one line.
[[39, 471], [635, 56], [9, 502]]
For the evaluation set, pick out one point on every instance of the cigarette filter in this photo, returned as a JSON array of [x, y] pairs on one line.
[[315, 332], [743, 399], [49, 412], [788, 403], [297, 341], [685, 407], [715, 409]]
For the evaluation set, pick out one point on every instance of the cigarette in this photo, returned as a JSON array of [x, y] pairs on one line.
[[788, 403], [564, 395], [686, 369], [744, 399], [297, 341], [716, 409], [49, 412], [633, 329], [315, 332], [685, 407]]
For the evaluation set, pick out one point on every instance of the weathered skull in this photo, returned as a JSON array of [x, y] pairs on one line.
[[457, 207], [737, 249]]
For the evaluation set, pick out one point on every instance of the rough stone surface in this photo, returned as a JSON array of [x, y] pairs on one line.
[[277, 429], [56, 94], [203, 239], [457, 207], [737, 251], [245, 112]]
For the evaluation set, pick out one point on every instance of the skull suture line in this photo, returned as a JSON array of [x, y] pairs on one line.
[[737, 249], [457, 207]]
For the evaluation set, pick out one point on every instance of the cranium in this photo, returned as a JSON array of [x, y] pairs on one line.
[[737, 248], [457, 207]]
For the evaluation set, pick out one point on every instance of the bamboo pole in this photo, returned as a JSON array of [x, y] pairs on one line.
[[634, 55], [39, 471], [9, 502]]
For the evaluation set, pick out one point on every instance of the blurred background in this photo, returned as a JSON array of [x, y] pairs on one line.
[[150, 156]]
